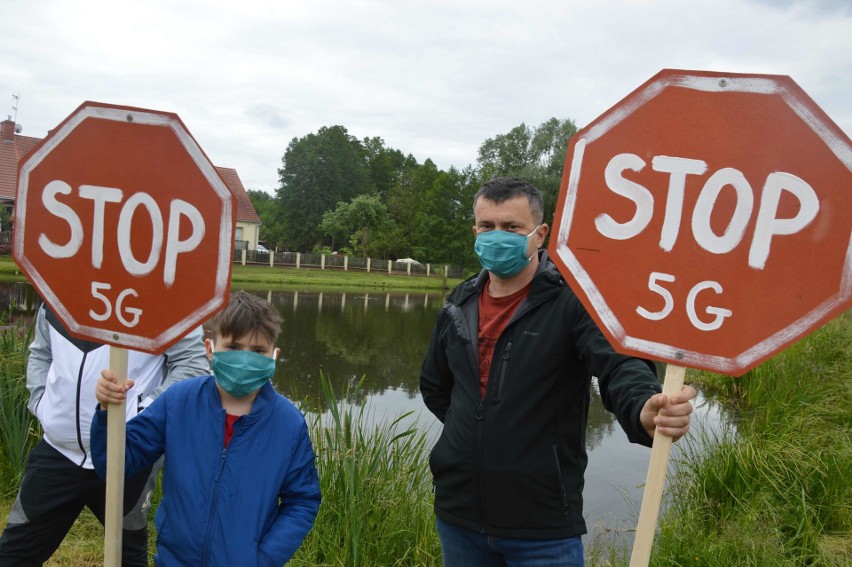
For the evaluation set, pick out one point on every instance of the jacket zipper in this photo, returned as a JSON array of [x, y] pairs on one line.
[[208, 536], [479, 415], [506, 354], [561, 483], [77, 410]]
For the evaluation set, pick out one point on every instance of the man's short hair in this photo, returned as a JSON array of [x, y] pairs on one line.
[[246, 314], [502, 189]]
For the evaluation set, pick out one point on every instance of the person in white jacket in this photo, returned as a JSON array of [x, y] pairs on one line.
[[59, 480]]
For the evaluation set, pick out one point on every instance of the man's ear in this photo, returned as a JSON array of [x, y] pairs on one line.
[[542, 231]]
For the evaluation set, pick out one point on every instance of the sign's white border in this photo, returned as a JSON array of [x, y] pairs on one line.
[[760, 85], [129, 340]]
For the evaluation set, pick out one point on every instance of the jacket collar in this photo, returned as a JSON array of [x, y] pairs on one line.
[[546, 279], [261, 405]]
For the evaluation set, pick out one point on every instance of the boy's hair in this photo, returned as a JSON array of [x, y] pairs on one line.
[[502, 189], [246, 314]]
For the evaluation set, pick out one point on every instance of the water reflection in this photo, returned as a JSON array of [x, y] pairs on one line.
[[382, 337]]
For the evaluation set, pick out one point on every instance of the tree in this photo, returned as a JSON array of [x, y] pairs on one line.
[[403, 200], [363, 222], [319, 170], [537, 155], [271, 228], [443, 224], [383, 164]]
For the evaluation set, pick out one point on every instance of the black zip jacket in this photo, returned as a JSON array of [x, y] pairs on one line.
[[511, 464]]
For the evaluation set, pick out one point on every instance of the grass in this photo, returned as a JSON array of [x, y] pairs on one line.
[[262, 276], [376, 486], [19, 430], [776, 491]]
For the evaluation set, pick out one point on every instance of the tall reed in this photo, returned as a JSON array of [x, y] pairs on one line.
[[377, 492], [777, 491], [19, 430]]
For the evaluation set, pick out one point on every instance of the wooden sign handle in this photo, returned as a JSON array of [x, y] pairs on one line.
[[114, 512], [672, 383]]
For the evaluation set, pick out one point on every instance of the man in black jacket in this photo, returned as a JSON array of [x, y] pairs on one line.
[[508, 373]]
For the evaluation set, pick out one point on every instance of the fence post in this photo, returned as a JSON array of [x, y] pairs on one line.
[[271, 259], [368, 265], [390, 263], [428, 269], [345, 263], [322, 263], [298, 259], [408, 268], [244, 256]]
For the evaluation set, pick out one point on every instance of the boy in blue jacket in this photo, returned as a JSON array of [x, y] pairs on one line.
[[239, 483]]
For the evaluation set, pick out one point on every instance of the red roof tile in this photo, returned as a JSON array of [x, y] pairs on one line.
[[11, 152], [245, 210]]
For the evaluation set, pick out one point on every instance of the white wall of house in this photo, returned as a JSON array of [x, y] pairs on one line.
[[248, 231]]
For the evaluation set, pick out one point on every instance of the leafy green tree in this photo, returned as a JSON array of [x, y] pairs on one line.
[[403, 200], [444, 220], [364, 221], [271, 228], [319, 170], [535, 154], [383, 164]]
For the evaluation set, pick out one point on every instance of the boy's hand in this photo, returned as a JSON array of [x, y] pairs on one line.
[[108, 391]]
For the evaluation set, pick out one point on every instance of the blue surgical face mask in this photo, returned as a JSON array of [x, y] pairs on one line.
[[241, 372], [502, 253]]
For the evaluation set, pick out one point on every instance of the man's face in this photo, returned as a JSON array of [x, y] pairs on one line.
[[512, 215], [256, 342]]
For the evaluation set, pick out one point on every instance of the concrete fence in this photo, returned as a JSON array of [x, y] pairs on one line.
[[342, 262]]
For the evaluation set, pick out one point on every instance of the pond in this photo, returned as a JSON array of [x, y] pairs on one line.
[[382, 338]]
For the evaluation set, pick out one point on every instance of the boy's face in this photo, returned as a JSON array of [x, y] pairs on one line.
[[256, 342]]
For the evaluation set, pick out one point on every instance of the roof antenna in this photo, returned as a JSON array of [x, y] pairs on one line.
[[17, 99]]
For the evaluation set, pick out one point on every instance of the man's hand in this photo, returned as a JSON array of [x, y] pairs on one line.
[[108, 391], [671, 417]]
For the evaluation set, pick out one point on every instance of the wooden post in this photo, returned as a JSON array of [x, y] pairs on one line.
[[271, 258], [345, 263], [428, 269], [653, 493], [298, 259], [244, 256], [390, 267], [408, 268], [368, 265], [322, 261], [116, 428]]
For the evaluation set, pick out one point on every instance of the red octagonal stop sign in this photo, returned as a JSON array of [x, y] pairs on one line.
[[705, 219], [124, 227]]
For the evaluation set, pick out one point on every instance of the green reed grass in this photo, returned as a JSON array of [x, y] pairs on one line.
[[19, 430], [774, 488], [376, 486]]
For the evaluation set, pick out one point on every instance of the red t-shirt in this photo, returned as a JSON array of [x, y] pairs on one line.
[[229, 427], [494, 315]]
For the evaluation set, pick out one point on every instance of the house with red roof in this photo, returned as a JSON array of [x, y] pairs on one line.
[[14, 147]]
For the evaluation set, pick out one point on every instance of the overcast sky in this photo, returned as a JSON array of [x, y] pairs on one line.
[[432, 78]]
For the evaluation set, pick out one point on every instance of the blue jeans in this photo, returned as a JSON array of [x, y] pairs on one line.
[[462, 547]]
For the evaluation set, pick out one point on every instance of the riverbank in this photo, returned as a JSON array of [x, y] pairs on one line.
[[263, 277], [776, 491]]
